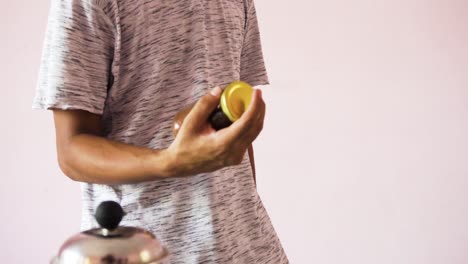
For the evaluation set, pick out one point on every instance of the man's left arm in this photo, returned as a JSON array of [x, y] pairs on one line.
[[252, 163]]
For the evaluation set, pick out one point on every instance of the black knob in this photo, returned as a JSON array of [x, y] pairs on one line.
[[109, 214], [219, 120]]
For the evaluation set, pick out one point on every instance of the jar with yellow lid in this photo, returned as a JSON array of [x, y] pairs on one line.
[[235, 99]]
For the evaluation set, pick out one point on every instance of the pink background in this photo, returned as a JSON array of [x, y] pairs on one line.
[[364, 156]]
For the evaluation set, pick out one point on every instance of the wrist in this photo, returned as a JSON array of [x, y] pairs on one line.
[[162, 164]]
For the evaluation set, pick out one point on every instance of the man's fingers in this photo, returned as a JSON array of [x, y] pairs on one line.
[[249, 122], [202, 110], [257, 126]]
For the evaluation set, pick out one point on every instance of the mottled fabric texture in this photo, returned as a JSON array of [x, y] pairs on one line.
[[137, 63]]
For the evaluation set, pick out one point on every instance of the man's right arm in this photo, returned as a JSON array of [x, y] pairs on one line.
[[85, 155]]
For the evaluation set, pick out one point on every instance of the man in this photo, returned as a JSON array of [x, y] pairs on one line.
[[115, 73]]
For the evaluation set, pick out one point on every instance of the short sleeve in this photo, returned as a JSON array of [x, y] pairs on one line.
[[74, 71], [252, 69]]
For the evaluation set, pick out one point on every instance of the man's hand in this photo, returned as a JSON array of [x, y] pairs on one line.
[[199, 148]]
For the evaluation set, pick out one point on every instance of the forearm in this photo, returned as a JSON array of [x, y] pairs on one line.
[[93, 159]]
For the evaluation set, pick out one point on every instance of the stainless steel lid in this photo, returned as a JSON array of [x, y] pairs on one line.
[[111, 243]]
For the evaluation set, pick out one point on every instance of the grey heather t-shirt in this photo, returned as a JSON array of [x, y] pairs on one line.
[[137, 63]]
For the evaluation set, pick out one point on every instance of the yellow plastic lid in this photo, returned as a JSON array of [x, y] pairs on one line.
[[235, 99]]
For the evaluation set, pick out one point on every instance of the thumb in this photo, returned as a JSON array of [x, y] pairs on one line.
[[202, 110]]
